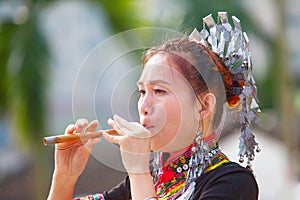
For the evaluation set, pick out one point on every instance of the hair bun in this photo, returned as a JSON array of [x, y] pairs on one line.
[[233, 82]]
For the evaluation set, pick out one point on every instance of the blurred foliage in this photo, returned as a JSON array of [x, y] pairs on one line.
[[24, 72], [197, 9], [122, 14], [24, 65]]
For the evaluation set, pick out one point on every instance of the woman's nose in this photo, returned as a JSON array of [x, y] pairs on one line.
[[146, 104]]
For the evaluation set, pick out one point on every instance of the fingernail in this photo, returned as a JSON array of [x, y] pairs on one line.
[[95, 121], [109, 120]]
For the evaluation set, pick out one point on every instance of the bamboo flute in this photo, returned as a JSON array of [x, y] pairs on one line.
[[76, 137]]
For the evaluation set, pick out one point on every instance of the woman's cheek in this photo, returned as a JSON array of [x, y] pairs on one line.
[[173, 112], [159, 118]]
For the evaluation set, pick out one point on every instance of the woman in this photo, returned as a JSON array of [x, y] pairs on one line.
[[183, 88]]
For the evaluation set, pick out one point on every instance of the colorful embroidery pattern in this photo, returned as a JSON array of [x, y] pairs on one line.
[[172, 179], [216, 162], [173, 176], [97, 196]]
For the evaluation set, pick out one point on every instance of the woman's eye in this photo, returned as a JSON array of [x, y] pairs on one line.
[[142, 92], [159, 91]]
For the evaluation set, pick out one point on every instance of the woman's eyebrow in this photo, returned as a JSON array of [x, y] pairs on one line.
[[152, 82]]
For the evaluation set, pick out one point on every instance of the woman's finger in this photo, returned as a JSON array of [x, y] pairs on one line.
[[115, 126], [123, 126], [122, 122], [132, 128], [70, 129], [112, 138], [80, 125], [91, 127]]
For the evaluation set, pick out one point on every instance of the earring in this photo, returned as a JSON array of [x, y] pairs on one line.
[[197, 161]]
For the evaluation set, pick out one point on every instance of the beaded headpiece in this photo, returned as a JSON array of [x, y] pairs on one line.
[[232, 46]]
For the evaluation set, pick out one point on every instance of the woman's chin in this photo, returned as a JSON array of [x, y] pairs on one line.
[[157, 143], [171, 147]]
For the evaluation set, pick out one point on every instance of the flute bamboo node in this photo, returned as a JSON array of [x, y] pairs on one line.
[[76, 137]]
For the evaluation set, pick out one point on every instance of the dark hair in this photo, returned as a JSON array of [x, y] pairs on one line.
[[204, 70]]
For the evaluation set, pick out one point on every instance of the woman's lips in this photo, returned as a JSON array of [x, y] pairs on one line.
[[147, 123], [148, 126]]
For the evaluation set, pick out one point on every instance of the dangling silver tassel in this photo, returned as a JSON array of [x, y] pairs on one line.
[[250, 109], [198, 160], [188, 192], [157, 168]]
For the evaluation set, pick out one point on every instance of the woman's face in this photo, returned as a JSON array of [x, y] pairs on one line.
[[167, 105]]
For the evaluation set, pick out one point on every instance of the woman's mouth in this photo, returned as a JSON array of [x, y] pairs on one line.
[[148, 127]]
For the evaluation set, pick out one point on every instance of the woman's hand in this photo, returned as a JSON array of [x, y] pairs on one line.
[[134, 141], [71, 157], [70, 160]]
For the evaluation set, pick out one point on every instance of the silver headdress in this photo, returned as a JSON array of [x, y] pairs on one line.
[[232, 46]]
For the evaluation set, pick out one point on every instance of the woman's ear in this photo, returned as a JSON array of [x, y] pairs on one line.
[[209, 102]]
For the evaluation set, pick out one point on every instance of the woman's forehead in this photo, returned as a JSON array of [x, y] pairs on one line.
[[159, 67]]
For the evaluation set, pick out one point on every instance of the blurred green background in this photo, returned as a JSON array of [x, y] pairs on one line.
[[43, 43]]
